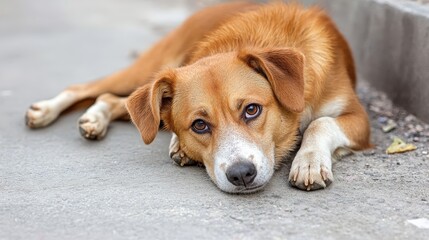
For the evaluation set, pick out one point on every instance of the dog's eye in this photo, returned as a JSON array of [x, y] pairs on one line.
[[252, 111], [200, 126]]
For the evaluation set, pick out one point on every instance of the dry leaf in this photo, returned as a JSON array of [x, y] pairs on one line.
[[399, 146]]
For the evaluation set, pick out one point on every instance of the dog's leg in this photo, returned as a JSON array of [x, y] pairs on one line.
[[122, 83], [43, 113], [108, 107], [176, 153], [325, 138], [169, 51]]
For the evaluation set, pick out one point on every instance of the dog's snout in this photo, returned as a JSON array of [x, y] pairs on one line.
[[241, 173]]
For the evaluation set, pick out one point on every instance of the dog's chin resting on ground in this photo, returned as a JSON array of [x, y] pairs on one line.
[[238, 84]]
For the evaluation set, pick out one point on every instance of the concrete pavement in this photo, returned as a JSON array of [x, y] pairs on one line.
[[56, 185]]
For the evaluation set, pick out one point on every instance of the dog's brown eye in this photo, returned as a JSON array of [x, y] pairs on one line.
[[200, 126], [252, 111]]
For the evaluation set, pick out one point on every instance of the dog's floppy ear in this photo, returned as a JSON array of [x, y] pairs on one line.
[[284, 69], [148, 104]]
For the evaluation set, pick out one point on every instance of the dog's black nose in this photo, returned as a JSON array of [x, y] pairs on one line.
[[241, 173]]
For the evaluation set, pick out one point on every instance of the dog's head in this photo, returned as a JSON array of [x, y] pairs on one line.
[[238, 113]]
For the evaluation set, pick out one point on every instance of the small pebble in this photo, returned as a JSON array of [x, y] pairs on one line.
[[369, 153], [419, 128], [424, 152], [374, 108], [391, 125], [382, 119], [409, 118]]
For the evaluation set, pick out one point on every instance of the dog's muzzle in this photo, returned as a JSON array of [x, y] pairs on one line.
[[240, 166]]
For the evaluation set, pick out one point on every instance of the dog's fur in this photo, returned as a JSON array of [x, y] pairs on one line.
[[289, 61]]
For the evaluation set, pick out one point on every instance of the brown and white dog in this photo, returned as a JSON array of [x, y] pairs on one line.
[[237, 84]]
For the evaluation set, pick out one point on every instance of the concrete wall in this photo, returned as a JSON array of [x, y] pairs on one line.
[[390, 42]]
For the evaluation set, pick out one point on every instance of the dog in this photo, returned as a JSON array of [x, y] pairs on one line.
[[240, 85]]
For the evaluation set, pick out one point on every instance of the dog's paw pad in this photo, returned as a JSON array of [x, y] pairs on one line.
[[40, 115], [93, 126], [311, 172]]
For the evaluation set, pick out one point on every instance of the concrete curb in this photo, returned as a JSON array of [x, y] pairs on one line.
[[390, 42]]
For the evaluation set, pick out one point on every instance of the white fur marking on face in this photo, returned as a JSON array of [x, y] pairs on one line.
[[234, 147]]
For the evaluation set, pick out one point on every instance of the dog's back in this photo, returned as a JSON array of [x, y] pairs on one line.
[[309, 31]]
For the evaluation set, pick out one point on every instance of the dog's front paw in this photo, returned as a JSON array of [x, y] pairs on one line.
[[40, 114], [177, 154], [311, 171], [93, 125], [181, 159]]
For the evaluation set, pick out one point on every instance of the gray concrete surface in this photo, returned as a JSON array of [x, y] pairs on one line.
[[390, 41], [56, 185]]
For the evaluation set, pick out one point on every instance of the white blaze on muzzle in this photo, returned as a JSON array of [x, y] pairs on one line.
[[235, 151]]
